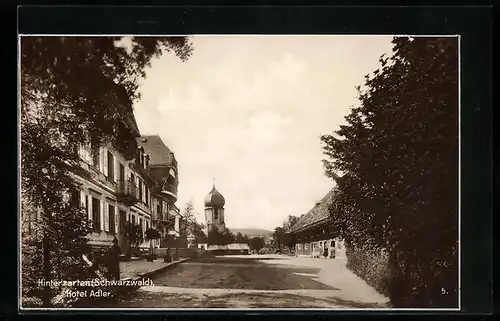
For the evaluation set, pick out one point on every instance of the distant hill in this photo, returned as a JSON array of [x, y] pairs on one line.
[[250, 232]]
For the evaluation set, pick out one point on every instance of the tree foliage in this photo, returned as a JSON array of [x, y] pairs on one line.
[[241, 238], [257, 243], [279, 236], [199, 235], [189, 216], [290, 221], [66, 262], [74, 91], [396, 167], [224, 237], [134, 234], [152, 234]]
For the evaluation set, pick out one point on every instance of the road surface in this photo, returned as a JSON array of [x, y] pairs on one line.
[[254, 281]]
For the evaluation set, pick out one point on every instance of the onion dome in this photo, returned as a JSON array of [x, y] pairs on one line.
[[214, 199]]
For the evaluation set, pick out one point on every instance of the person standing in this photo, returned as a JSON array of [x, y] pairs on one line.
[[114, 260]]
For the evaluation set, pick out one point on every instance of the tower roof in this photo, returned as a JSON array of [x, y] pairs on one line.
[[214, 199]]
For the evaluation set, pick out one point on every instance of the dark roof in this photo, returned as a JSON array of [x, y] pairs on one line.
[[214, 199], [318, 213], [159, 153]]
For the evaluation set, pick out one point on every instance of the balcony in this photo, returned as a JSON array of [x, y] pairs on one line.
[[127, 192], [170, 189], [165, 220]]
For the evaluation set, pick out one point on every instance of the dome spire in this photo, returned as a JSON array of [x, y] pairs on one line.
[[214, 198]]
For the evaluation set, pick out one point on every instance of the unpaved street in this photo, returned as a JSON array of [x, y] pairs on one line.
[[255, 281]]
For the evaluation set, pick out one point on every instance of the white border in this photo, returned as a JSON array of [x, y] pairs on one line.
[[173, 310]]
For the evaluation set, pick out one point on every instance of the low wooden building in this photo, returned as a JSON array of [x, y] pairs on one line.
[[230, 249], [312, 233]]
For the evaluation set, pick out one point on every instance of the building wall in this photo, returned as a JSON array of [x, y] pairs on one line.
[[101, 189], [316, 248], [214, 221]]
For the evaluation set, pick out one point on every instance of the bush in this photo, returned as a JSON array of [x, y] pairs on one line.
[[266, 250], [371, 265]]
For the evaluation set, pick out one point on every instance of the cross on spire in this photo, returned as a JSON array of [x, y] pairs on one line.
[[213, 182]]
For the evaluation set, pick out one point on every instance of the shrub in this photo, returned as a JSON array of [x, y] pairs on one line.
[[371, 265]]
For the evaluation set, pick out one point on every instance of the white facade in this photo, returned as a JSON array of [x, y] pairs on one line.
[[99, 194]]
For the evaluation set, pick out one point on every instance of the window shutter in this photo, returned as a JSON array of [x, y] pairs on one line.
[[82, 199], [116, 165], [117, 218], [102, 215], [106, 217], [101, 160], [105, 161], [176, 225], [89, 209]]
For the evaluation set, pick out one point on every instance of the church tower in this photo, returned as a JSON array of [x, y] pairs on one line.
[[214, 210]]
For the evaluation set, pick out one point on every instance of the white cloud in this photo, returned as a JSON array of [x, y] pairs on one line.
[[249, 111]]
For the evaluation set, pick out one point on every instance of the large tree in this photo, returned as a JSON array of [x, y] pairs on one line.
[[279, 236], [289, 239], [224, 237], [396, 167], [76, 91], [257, 243], [189, 216], [199, 235]]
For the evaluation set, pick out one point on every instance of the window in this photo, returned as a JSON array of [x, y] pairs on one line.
[[147, 195], [111, 211], [147, 225], [140, 223], [96, 214], [122, 172], [96, 156], [332, 243], [133, 220], [158, 210], [111, 166], [123, 221], [140, 191], [216, 214], [75, 197]]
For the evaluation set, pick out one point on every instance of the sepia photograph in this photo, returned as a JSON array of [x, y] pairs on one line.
[[250, 172]]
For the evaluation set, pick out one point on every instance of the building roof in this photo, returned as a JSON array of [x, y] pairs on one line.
[[234, 246], [214, 199], [318, 213], [159, 153], [239, 246]]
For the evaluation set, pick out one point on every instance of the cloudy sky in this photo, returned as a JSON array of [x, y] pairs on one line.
[[249, 111]]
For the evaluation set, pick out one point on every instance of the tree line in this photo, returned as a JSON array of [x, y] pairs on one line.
[[74, 91], [280, 236], [395, 164], [197, 231]]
